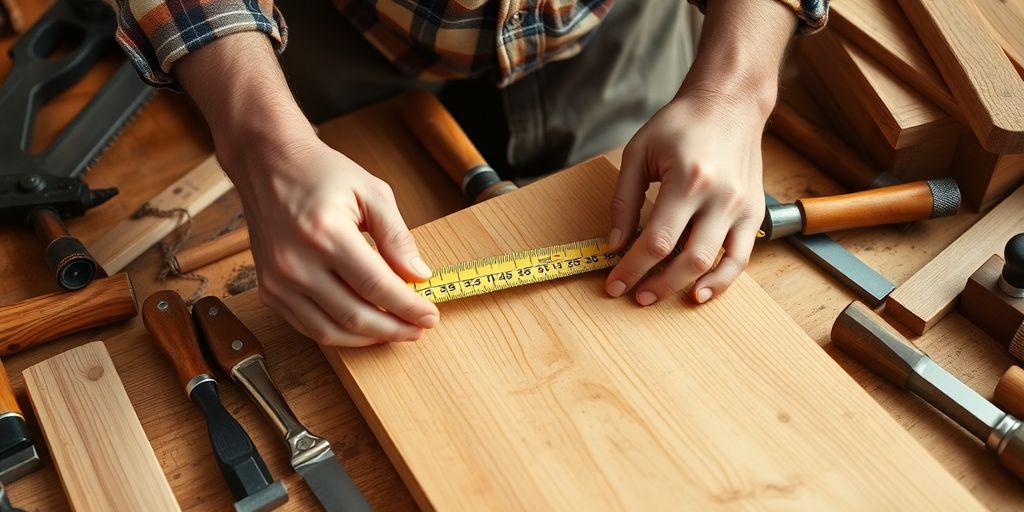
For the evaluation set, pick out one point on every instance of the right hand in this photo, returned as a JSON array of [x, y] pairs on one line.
[[306, 206]]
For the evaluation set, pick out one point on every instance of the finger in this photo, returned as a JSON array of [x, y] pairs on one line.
[[659, 238], [738, 246], [354, 315], [394, 241], [313, 323], [366, 273], [628, 198], [708, 231]]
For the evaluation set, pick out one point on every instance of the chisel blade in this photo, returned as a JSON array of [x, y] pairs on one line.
[[331, 484]]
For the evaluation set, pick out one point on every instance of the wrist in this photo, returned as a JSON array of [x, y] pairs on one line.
[[753, 89]]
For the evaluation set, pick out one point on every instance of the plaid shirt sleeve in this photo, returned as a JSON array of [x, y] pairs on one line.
[[813, 14], [156, 33]]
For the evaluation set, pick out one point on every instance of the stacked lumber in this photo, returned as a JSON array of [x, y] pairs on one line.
[[919, 104]]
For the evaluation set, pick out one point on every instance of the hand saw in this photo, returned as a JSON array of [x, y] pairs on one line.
[[42, 189]]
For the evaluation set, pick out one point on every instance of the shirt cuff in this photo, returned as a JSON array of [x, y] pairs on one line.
[[156, 33], [813, 14]]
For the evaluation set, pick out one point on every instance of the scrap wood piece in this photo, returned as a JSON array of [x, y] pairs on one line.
[[979, 74], [192, 193], [921, 301], [102, 455], [557, 397], [1006, 20]]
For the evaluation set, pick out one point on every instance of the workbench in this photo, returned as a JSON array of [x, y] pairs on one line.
[[169, 138]]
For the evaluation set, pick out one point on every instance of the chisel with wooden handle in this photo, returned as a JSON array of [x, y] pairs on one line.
[[920, 200], [240, 354], [870, 340], [18, 454], [168, 321]]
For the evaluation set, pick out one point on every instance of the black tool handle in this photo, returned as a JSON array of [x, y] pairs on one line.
[[1013, 269]]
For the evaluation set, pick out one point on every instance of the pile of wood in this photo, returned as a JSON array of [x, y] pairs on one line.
[[925, 88]]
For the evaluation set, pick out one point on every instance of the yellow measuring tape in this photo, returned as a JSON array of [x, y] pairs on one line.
[[494, 273]]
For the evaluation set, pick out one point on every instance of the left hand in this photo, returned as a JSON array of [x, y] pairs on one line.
[[705, 149]]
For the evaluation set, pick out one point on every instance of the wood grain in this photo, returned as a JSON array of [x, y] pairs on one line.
[[980, 76], [228, 340], [600, 404], [1009, 392], [95, 438], [169, 324], [922, 300], [895, 204], [39, 319], [8, 402], [215, 250], [130, 238], [1005, 19], [985, 178], [985, 304]]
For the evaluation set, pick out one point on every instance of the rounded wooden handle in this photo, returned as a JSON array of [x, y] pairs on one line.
[[214, 250], [908, 202], [227, 338], [40, 319], [167, 319], [866, 337], [1009, 393], [1012, 454], [440, 134], [8, 402]]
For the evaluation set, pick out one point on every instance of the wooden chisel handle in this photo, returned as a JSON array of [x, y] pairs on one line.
[[215, 250], [8, 402], [230, 342], [863, 335], [449, 145], [168, 321], [39, 319], [1009, 393], [909, 202]]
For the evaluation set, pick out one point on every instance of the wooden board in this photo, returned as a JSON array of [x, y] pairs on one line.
[[1006, 21], [980, 76], [555, 396], [985, 178], [101, 452], [928, 295]]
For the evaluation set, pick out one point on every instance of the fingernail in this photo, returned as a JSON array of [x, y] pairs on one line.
[[427, 321], [616, 289], [615, 237], [420, 266], [646, 298], [703, 295], [414, 335]]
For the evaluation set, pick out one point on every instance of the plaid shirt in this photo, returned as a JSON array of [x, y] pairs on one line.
[[429, 40]]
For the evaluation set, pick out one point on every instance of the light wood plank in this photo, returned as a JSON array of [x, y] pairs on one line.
[[1006, 21], [557, 397], [96, 441], [928, 295], [979, 74], [131, 237]]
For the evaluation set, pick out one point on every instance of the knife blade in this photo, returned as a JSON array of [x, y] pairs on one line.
[[239, 353]]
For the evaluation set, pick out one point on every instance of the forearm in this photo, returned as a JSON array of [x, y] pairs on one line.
[[742, 45], [239, 87]]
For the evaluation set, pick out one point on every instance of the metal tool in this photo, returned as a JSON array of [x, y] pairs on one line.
[[168, 321], [870, 340], [240, 354], [46, 184], [895, 204]]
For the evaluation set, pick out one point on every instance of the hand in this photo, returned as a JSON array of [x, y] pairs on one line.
[[705, 149], [306, 206]]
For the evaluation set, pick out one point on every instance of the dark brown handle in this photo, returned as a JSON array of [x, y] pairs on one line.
[[214, 250], [39, 319], [8, 403], [228, 339], [167, 319], [864, 336], [1009, 393], [908, 202], [440, 134]]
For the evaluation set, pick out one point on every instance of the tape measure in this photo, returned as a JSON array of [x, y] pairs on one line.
[[495, 273]]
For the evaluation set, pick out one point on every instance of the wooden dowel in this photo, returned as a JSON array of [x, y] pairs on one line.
[[40, 319], [214, 250], [1009, 393]]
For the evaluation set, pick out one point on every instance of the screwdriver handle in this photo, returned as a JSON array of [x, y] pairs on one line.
[[228, 340], [1009, 393], [167, 319], [864, 336], [896, 204]]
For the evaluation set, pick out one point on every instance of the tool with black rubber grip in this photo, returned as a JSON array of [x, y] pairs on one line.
[[445, 140], [896, 204], [1011, 279], [870, 340], [239, 354], [168, 321]]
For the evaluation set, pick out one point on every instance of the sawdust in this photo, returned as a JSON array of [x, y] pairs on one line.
[[244, 278]]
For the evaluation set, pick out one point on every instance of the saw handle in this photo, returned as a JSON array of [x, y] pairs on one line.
[[864, 336], [168, 321], [227, 338], [896, 204]]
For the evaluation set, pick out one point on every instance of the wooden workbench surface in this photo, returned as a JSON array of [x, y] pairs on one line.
[[168, 138]]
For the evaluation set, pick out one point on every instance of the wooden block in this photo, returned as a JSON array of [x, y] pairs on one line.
[[193, 192], [996, 313], [928, 295], [979, 74], [96, 441], [985, 178], [557, 397], [1006, 21]]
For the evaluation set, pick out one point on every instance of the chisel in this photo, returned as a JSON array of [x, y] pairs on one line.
[[896, 204], [240, 354], [168, 321], [870, 340]]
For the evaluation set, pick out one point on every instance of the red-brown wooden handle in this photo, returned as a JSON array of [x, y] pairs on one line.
[[897, 204], [1009, 393], [440, 134], [228, 339], [169, 324], [8, 403], [214, 250]]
